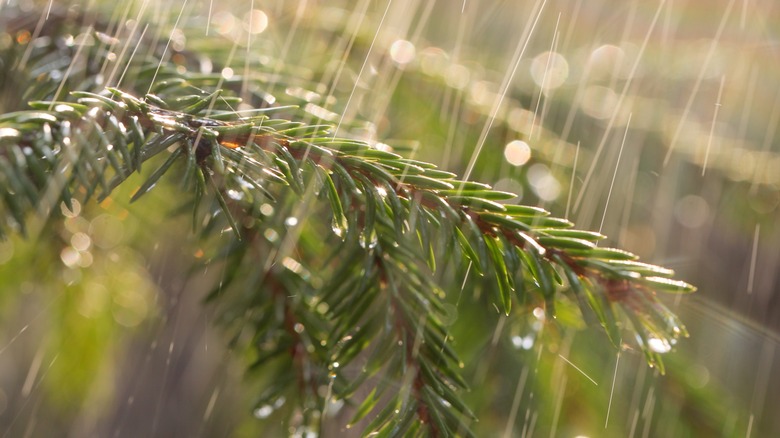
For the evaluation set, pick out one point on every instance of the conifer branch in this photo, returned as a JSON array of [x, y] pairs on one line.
[[389, 210], [268, 175]]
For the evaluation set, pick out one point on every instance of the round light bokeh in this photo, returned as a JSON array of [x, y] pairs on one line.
[[549, 70], [256, 21], [517, 152], [402, 52]]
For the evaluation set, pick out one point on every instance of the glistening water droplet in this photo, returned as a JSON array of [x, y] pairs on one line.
[[659, 345], [263, 411]]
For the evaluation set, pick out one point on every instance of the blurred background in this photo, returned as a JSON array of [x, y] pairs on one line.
[[653, 122]]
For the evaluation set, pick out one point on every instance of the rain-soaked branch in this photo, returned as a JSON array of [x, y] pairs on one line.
[[386, 211]]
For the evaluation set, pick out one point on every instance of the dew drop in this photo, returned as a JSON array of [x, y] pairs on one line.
[[263, 411], [659, 345], [291, 221], [235, 195], [368, 242]]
